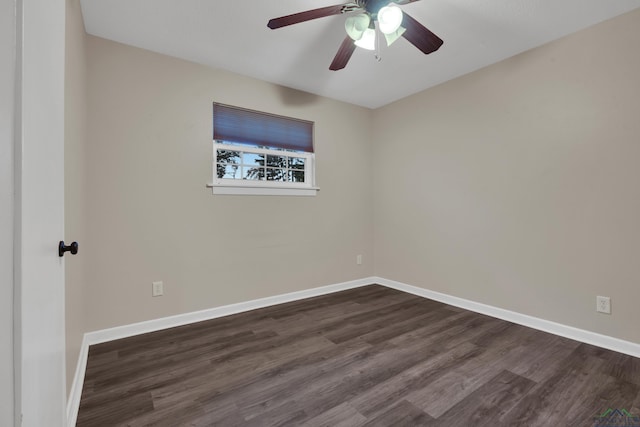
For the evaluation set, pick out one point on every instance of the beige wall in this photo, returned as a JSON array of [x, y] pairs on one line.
[[74, 179], [150, 216], [7, 71], [517, 185]]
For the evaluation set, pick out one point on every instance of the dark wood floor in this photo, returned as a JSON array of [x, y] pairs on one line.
[[368, 356]]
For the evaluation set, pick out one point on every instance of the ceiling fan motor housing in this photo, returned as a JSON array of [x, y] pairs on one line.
[[372, 6]]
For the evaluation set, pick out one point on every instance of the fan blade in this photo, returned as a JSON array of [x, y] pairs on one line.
[[308, 15], [419, 36], [344, 54], [401, 2]]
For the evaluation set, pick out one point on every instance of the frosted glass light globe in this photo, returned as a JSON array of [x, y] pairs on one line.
[[368, 39], [389, 19], [356, 25]]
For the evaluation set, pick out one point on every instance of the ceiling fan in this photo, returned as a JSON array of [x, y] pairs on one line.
[[393, 23]]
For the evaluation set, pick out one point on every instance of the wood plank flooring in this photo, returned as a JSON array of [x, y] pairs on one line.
[[370, 356]]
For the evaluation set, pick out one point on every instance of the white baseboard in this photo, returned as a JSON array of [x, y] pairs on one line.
[[588, 337], [73, 404], [105, 335], [97, 337]]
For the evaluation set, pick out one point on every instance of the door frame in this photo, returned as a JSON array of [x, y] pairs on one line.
[[39, 343], [7, 123]]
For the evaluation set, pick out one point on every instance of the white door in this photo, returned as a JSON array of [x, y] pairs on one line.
[[39, 173], [7, 88]]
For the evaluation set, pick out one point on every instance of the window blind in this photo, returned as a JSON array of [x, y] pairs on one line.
[[234, 124]]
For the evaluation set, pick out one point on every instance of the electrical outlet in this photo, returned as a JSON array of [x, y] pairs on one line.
[[157, 289], [359, 259], [603, 305]]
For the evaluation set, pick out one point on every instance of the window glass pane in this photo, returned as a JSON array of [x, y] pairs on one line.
[[253, 173], [279, 168], [274, 174], [227, 171], [253, 159], [296, 163], [227, 156], [296, 176], [277, 161]]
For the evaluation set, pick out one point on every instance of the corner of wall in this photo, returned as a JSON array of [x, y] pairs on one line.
[[76, 138]]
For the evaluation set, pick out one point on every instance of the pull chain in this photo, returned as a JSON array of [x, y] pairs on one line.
[[377, 51]]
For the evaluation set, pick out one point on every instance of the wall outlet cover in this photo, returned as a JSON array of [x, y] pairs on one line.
[[603, 305], [157, 289]]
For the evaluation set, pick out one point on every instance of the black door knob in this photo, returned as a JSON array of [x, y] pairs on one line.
[[73, 248]]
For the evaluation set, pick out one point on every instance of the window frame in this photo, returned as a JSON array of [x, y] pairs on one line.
[[241, 186], [251, 131]]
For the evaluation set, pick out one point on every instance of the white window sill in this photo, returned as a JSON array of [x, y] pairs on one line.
[[262, 191]]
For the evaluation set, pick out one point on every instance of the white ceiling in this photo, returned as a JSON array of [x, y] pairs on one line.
[[233, 35]]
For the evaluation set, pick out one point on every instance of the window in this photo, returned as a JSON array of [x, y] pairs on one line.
[[260, 153]]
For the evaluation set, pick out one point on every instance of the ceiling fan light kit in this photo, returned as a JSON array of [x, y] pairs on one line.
[[393, 23], [389, 19], [356, 25], [392, 37], [368, 39]]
